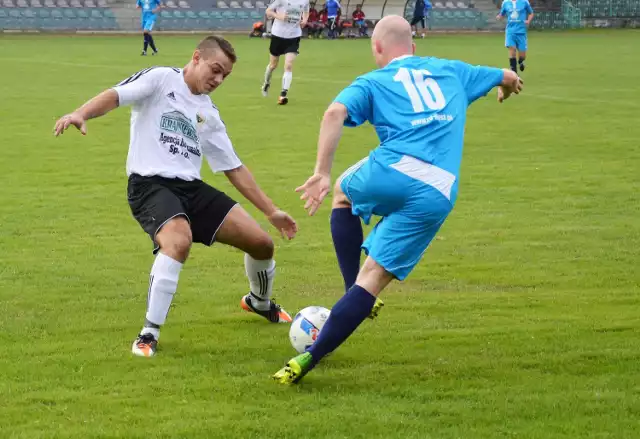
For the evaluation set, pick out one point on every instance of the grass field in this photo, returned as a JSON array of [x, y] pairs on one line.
[[521, 321]]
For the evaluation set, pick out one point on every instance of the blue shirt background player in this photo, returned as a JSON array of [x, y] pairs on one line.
[[333, 8], [519, 14], [147, 20]]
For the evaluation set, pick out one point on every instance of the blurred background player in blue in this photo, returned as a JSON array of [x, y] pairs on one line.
[[147, 20], [333, 13], [420, 15], [418, 107], [519, 15]]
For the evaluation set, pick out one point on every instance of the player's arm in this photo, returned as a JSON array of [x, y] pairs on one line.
[[529, 10], [95, 107], [477, 81], [511, 83], [305, 16], [222, 157], [158, 7], [352, 107], [272, 14], [135, 88], [502, 13]]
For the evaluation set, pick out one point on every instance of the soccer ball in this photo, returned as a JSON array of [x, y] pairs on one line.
[[306, 326]]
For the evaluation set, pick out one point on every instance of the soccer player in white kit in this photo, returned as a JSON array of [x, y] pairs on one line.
[[173, 125], [289, 17]]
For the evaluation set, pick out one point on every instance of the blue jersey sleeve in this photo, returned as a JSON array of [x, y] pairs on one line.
[[139, 3], [528, 8], [503, 10], [357, 99], [477, 80]]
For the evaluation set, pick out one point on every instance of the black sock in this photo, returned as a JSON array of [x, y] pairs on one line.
[[146, 42], [520, 60], [151, 43], [513, 64]]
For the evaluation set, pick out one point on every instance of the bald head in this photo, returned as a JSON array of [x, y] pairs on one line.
[[392, 38], [393, 30]]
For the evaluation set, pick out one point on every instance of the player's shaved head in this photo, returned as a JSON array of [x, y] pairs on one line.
[[212, 43], [391, 38]]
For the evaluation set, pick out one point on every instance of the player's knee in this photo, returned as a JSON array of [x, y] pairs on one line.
[[262, 247], [288, 66], [175, 238], [340, 200], [273, 64]]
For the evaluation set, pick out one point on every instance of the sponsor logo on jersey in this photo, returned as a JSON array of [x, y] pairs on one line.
[[178, 123]]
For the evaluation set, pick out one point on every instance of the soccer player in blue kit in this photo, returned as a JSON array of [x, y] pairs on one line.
[[519, 15], [418, 107], [147, 20]]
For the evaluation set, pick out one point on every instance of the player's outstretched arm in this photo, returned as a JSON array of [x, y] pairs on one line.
[[271, 12], [319, 184], [96, 107], [242, 179], [511, 83]]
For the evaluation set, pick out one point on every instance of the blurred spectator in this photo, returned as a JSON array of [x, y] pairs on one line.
[[314, 24], [358, 21]]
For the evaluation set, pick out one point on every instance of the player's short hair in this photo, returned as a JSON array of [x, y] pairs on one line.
[[213, 42]]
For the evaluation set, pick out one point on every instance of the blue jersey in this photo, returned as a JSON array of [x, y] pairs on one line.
[[148, 6], [418, 107], [516, 12], [332, 8]]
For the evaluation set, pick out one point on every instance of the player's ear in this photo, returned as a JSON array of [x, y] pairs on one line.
[[413, 48], [196, 56]]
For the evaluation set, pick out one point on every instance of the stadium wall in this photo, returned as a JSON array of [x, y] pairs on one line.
[[189, 16]]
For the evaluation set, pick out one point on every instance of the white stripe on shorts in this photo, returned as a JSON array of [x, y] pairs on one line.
[[429, 174]]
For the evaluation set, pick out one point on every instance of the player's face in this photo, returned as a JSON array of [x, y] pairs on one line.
[[211, 70]]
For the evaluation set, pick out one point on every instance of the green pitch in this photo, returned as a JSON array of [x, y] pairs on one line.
[[520, 322]]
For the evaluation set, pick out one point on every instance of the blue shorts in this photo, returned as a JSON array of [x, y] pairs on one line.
[[148, 22], [519, 41], [412, 211]]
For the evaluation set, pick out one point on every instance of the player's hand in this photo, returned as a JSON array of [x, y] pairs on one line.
[[303, 24], [284, 223], [282, 16], [74, 119], [314, 190]]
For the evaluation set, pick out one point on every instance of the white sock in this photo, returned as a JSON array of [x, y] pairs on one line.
[[267, 74], [287, 77], [162, 286], [260, 274]]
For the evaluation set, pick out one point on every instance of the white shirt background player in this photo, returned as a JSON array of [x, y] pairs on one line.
[[173, 124], [289, 16]]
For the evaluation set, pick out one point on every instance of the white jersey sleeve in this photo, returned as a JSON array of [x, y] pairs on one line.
[[217, 147], [141, 85]]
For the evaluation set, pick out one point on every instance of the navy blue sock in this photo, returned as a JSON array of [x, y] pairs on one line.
[[513, 64], [151, 43], [146, 42], [346, 232], [520, 60], [346, 315]]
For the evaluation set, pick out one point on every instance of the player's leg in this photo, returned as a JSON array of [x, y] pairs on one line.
[[274, 57], [287, 76], [510, 44], [522, 51], [241, 231], [394, 248], [215, 217], [152, 43], [346, 228], [161, 214], [145, 37]]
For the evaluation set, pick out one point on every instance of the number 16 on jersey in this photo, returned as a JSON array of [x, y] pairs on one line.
[[422, 89]]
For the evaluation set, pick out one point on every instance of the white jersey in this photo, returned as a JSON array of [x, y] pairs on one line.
[[172, 128], [290, 28]]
